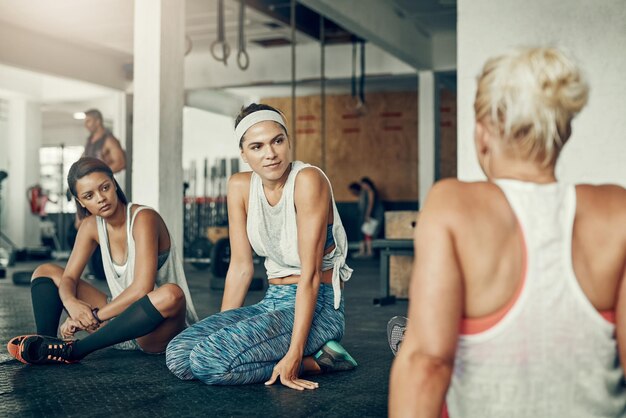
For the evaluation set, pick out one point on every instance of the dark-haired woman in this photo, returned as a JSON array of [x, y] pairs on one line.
[[150, 301], [285, 212]]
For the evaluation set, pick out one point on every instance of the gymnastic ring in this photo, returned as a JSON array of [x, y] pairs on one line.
[[225, 51], [244, 54]]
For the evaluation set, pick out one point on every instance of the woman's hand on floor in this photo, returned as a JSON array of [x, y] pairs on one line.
[[288, 369]]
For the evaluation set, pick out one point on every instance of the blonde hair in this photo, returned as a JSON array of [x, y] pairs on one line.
[[531, 96]]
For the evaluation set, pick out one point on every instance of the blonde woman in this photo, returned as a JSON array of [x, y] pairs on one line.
[[517, 294]]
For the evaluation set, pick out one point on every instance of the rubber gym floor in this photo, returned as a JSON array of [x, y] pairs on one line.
[[121, 383]]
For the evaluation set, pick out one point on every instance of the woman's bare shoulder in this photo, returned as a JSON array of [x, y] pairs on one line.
[[239, 187], [604, 199], [458, 203], [453, 192], [89, 226], [311, 182], [311, 174], [241, 178], [240, 182], [610, 191], [146, 217], [145, 212]]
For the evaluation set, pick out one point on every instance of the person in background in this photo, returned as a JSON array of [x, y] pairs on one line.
[[355, 188], [517, 301], [101, 143], [372, 214]]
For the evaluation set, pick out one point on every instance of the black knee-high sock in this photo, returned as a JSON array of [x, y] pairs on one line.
[[137, 320], [47, 305]]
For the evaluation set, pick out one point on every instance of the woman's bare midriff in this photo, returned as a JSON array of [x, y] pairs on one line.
[[327, 278]]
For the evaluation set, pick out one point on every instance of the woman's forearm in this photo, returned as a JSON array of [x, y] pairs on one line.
[[306, 299], [67, 290], [236, 287], [418, 385]]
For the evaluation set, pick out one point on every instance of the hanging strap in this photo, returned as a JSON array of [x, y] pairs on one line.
[[221, 40], [353, 79], [243, 60], [362, 78]]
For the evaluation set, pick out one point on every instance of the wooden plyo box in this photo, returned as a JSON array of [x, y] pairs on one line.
[[400, 267], [400, 225]]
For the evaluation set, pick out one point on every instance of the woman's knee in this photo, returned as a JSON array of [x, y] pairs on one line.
[[50, 270], [210, 363], [337, 324], [330, 327], [177, 357], [168, 299]]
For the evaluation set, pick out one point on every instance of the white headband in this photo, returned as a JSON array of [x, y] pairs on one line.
[[256, 117]]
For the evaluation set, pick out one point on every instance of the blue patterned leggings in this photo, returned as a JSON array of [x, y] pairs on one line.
[[242, 346]]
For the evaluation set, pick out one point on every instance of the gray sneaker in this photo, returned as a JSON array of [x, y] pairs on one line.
[[395, 332]]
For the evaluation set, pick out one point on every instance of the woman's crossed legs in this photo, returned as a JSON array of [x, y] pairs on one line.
[[242, 346], [152, 320]]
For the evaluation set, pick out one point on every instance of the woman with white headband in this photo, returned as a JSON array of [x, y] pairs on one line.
[[283, 210]]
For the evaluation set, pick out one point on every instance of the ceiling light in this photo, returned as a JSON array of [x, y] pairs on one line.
[[79, 115]]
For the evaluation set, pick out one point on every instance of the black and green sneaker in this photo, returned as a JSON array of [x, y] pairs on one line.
[[332, 357]]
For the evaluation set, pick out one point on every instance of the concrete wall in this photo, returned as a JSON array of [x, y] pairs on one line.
[[444, 51], [4, 158], [68, 131], [595, 32], [207, 135], [38, 52], [20, 137], [59, 126]]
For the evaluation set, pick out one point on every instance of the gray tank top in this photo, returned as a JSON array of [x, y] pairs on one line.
[[273, 233], [94, 149], [169, 271]]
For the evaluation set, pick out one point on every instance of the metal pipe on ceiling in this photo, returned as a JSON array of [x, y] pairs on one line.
[[323, 91], [293, 76]]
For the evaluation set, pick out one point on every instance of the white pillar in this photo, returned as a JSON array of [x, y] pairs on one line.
[[22, 148], [158, 104], [119, 127], [4, 158], [427, 128]]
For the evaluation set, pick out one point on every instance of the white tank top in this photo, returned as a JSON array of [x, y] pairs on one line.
[[273, 233], [120, 277], [553, 354]]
